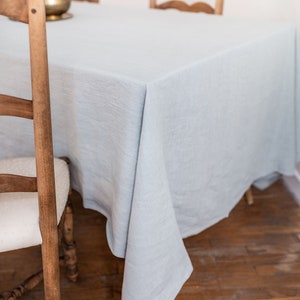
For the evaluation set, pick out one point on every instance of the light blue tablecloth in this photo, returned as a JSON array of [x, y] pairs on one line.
[[167, 119]]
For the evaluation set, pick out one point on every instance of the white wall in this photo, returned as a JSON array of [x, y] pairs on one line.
[[281, 10], [140, 3]]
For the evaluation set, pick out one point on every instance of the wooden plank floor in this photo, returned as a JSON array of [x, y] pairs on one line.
[[253, 254]]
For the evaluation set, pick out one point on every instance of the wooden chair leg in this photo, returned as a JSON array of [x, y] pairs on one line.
[[68, 244], [66, 236], [24, 287], [249, 196]]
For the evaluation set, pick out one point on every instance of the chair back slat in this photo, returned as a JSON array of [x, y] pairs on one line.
[[13, 106], [194, 7], [180, 5], [17, 10], [10, 183]]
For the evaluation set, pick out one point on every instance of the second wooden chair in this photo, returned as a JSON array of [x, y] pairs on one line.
[[195, 7]]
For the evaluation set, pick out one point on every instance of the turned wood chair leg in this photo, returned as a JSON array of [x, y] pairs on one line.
[[24, 287], [68, 244], [249, 196], [66, 236]]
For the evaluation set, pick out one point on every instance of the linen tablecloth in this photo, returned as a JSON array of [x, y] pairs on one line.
[[167, 118]]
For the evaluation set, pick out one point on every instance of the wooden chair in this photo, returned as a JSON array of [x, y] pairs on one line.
[[34, 191], [195, 7]]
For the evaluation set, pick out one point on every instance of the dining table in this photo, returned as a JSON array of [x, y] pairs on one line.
[[167, 118]]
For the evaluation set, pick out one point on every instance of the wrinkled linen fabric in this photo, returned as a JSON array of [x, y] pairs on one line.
[[167, 119]]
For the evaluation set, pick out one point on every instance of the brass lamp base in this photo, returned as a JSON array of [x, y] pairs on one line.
[[64, 16], [57, 9]]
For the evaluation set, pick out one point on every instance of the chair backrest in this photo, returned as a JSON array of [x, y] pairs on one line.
[[32, 12], [195, 7]]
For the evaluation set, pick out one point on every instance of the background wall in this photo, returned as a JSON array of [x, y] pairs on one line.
[[285, 10]]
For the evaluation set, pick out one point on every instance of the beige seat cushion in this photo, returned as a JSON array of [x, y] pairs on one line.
[[19, 215]]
